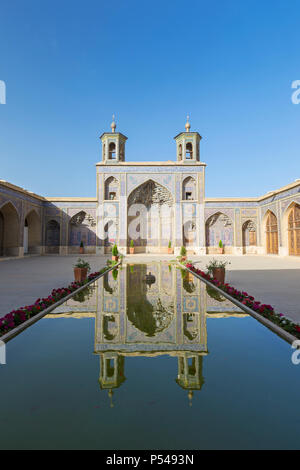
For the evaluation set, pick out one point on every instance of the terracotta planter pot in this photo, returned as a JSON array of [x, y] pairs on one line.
[[221, 251], [131, 250], [80, 274], [81, 250], [183, 258], [219, 274], [170, 251], [115, 258]]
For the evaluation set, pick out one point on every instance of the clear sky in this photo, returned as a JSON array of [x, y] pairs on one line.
[[69, 65]]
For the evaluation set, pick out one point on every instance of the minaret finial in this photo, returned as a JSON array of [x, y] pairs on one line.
[[187, 125], [113, 124]]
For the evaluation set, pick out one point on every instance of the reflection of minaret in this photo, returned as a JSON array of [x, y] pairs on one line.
[[190, 373], [111, 372]]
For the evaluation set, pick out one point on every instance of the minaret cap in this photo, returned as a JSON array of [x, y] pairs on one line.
[[113, 124], [187, 125]]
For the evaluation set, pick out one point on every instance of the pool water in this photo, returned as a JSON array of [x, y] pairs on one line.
[[143, 362]]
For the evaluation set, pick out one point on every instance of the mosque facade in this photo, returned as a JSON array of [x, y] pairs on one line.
[[153, 204]]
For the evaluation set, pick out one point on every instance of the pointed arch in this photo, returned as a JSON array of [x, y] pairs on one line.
[[189, 189], [150, 217], [249, 236], [218, 227], [271, 232], [52, 236], [82, 227], [9, 230], [293, 228], [146, 179], [32, 233], [111, 190]]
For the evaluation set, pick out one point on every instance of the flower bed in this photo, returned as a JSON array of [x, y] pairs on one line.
[[267, 311], [17, 317]]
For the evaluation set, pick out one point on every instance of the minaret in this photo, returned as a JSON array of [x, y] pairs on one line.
[[112, 375], [190, 375], [113, 145], [188, 145]]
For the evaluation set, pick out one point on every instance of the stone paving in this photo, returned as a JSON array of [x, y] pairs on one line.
[[269, 279]]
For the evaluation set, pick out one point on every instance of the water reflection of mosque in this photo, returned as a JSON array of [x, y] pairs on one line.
[[168, 316], [136, 316]]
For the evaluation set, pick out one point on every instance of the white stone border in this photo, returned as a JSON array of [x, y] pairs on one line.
[[272, 326], [16, 331]]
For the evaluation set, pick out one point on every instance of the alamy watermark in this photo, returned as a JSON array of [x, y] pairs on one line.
[[296, 94], [154, 222], [296, 354], [2, 92]]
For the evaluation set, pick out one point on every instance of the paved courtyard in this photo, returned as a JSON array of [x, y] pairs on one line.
[[270, 279]]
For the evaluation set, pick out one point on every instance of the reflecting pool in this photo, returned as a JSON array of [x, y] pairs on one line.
[[149, 358]]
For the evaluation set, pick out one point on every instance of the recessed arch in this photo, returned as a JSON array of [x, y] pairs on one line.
[[9, 230], [111, 188], [249, 236], [271, 232], [189, 151], [150, 217], [52, 236], [112, 151], [82, 227], [189, 189], [219, 226], [32, 233], [293, 229]]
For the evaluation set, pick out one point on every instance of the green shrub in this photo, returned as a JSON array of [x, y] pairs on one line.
[[170, 244], [221, 244], [115, 274], [131, 244], [114, 250], [81, 244], [183, 251]]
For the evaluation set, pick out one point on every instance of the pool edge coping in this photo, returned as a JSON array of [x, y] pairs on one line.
[[272, 326], [23, 326]]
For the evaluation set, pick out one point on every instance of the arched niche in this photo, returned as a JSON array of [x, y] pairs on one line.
[[219, 227], [249, 236], [9, 230], [111, 189], [82, 228], [52, 237], [293, 228], [189, 189], [32, 233], [150, 217], [271, 233]]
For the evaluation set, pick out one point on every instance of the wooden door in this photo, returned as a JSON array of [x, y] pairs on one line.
[[272, 234], [294, 230]]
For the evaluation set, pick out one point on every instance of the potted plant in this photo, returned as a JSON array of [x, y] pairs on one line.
[[81, 269], [170, 249], [183, 253], [216, 269], [81, 248], [221, 247], [131, 248], [115, 253]]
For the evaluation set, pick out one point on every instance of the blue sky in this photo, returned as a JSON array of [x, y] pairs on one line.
[[69, 65]]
